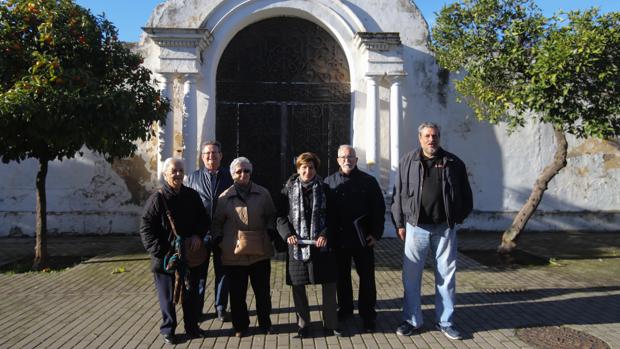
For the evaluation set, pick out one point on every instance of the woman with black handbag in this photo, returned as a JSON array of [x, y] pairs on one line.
[[244, 216]]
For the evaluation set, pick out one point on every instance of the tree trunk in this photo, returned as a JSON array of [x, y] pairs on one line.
[[40, 245], [559, 162]]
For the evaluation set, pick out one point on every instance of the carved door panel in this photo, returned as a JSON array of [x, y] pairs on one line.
[[259, 140], [319, 128], [282, 89]]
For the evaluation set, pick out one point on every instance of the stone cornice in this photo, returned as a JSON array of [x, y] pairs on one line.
[[180, 37], [180, 49], [377, 41]]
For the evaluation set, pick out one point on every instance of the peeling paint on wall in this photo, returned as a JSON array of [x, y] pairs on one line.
[[178, 144], [594, 146], [611, 162], [582, 171], [149, 150], [134, 173], [178, 110], [608, 150]]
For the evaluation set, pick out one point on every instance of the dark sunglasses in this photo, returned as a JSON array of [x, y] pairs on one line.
[[245, 170]]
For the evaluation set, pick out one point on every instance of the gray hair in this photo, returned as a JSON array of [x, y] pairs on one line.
[[345, 146], [169, 162], [211, 142], [427, 124], [238, 161]]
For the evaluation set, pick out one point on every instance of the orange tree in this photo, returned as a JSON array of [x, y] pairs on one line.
[[66, 81], [563, 71]]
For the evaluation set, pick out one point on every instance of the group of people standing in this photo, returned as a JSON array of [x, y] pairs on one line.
[[325, 224]]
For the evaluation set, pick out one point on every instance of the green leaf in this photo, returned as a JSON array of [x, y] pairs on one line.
[[119, 270]]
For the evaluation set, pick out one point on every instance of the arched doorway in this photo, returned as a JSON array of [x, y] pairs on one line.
[[283, 88]]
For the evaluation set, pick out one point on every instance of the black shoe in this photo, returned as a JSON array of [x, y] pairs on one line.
[[328, 332], [303, 332], [265, 330], [406, 329], [238, 333], [196, 333], [370, 326], [450, 332], [222, 315], [170, 338]]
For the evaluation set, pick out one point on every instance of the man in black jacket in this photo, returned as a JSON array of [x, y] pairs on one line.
[[210, 181], [356, 214], [432, 195], [190, 222]]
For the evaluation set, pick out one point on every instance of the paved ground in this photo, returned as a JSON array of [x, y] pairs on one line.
[[88, 306]]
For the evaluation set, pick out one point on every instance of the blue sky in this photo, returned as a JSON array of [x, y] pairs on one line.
[[129, 16]]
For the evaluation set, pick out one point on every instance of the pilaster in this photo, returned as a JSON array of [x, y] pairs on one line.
[[166, 132], [384, 60], [372, 116], [190, 123], [396, 110]]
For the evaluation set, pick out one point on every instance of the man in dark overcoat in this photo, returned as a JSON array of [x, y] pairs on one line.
[[356, 208]]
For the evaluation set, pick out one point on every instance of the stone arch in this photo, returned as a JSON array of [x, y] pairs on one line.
[[230, 17], [283, 88], [192, 37]]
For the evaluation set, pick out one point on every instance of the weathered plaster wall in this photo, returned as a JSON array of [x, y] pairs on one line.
[[88, 195], [85, 195]]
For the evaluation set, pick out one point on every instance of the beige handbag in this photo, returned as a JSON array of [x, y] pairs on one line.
[[250, 243]]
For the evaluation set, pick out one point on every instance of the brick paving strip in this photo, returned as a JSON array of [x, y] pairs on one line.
[[89, 307]]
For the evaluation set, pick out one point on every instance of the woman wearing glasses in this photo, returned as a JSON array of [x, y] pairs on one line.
[[244, 214], [302, 222]]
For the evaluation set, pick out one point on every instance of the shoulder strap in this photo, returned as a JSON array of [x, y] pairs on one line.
[[168, 214]]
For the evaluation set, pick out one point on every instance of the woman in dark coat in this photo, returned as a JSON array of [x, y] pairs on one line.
[[302, 222]]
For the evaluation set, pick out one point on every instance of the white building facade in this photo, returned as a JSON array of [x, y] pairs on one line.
[[273, 78]]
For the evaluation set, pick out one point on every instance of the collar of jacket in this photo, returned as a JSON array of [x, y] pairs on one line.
[[169, 192], [208, 173], [353, 173], [231, 192], [442, 153]]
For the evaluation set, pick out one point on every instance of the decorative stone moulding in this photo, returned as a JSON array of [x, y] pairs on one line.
[[378, 41], [180, 48], [383, 53]]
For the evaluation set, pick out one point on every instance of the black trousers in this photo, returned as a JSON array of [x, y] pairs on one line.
[[259, 275], [365, 266], [164, 283]]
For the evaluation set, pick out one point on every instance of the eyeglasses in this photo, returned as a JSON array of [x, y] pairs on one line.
[[245, 170], [347, 157]]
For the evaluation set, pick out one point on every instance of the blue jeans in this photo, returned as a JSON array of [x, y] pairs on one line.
[[220, 283], [441, 240]]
